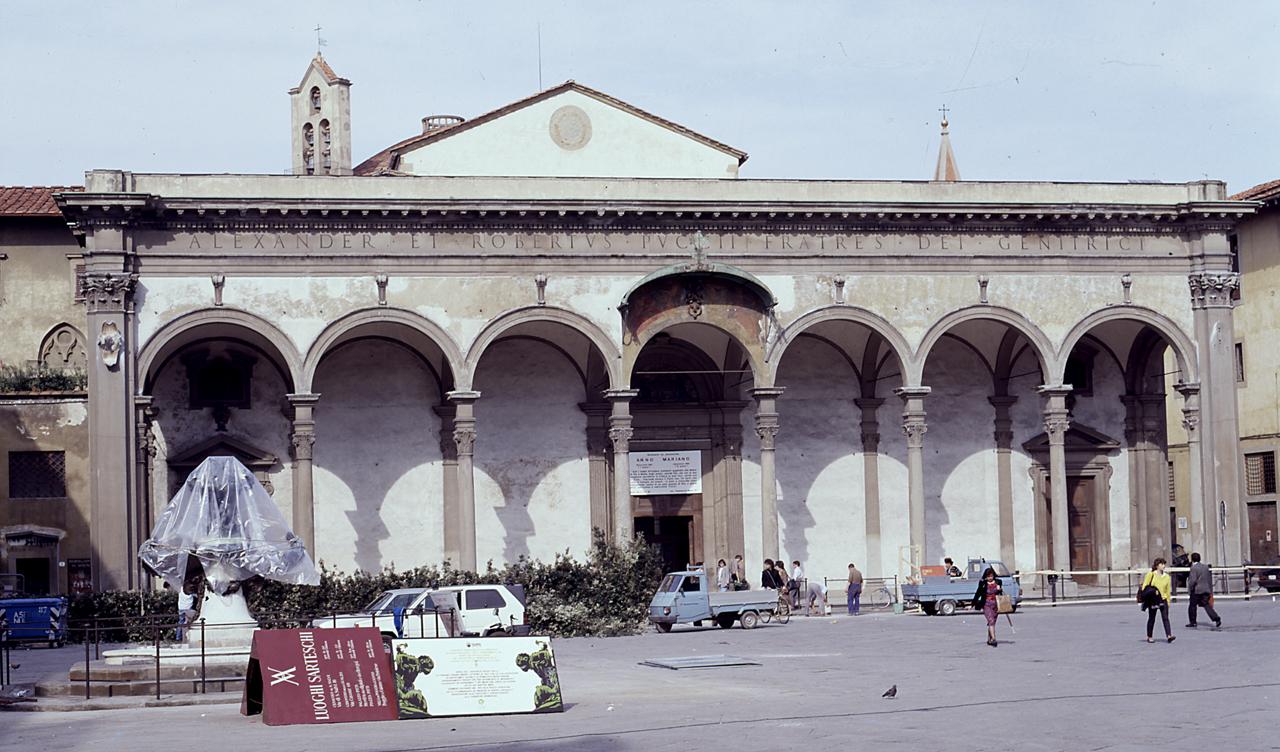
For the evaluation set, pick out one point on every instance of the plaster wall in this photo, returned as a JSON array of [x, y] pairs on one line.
[[895, 499], [1104, 412], [178, 428], [819, 460], [378, 476], [753, 538], [36, 286], [48, 424], [532, 475], [1257, 319], [520, 143]]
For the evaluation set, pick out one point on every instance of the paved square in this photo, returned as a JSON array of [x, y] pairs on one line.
[[1079, 678]]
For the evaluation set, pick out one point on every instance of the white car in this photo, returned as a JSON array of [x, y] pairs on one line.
[[460, 611]]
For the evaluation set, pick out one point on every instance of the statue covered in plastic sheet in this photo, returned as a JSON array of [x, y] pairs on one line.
[[224, 521]]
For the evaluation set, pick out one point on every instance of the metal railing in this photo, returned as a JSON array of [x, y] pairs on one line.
[[877, 592], [157, 627], [1104, 585]]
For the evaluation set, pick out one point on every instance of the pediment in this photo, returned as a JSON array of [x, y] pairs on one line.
[[1079, 438], [225, 446], [569, 130]]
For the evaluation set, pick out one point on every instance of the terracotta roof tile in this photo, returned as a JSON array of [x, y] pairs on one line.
[[387, 160], [31, 201], [1263, 192]]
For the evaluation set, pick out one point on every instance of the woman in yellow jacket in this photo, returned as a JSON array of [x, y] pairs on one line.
[[1157, 598]]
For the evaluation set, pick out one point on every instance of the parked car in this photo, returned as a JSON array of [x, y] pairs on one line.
[[940, 594], [461, 611], [1268, 575], [683, 597]]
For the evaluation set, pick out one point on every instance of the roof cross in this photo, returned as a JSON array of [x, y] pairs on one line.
[[943, 109]]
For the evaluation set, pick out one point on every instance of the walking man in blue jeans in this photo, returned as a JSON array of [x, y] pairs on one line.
[[855, 590]]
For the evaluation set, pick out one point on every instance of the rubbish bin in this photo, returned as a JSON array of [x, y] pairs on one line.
[[35, 619]]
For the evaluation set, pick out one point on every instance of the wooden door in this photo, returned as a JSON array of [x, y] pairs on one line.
[[1263, 545], [1080, 516]]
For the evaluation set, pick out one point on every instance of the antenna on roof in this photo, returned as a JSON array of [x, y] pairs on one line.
[[539, 56]]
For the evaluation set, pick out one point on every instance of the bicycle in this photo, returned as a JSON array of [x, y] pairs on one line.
[[782, 613]]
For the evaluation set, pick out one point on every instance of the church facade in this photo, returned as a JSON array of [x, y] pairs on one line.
[[472, 345]]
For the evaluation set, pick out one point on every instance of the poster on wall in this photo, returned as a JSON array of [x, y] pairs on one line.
[[318, 676], [79, 576], [661, 473], [476, 676]]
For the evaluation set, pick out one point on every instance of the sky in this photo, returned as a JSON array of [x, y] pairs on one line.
[[1074, 91]]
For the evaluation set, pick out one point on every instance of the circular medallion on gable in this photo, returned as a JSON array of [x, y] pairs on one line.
[[570, 127]]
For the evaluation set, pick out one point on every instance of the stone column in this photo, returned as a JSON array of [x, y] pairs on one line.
[[464, 436], [913, 425], [1191, 422], [620, 436], [112, 519], [450, 510], [871, 482], [145, 454], [1056, 422], [304, 439], [1135, 444], [598, 478], [1156, 476], [767, 429], [1004, 475], [1220, 438]]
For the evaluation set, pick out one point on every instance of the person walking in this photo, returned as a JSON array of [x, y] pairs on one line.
[[796, 582], [722, 576], [855, 590], [1200, 592], [769, 577], [1154, 594], [984, 600]]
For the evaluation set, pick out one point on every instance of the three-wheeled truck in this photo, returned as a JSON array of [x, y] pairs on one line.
[[942, 595], [684, 598]]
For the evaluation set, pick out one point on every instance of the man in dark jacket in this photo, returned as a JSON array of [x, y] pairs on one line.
[[1200, 591], [769, 578]]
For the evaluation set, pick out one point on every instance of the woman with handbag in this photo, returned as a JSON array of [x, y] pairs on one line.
[[984, 600], [1154, 595]]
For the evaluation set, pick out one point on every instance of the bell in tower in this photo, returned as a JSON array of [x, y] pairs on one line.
[[321, 108]]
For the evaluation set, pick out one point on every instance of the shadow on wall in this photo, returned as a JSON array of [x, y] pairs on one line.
[[531, 447], [376, 438]]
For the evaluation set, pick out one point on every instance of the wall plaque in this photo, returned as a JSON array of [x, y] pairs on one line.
[[662, 473]]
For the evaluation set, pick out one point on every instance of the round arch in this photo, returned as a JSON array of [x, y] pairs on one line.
[[508, 320], [344, 327], [231, 323], [723, 271], [888, 332], [1040, 344], [761, 373], [1183, 348]]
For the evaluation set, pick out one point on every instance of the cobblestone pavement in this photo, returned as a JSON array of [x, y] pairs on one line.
[[1078, 678]]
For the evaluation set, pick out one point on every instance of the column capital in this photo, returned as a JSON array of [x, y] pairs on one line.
[[1211, 289], [302, 399], [913, 392], [1187, 389], [621, 395], [303, 444], [1054, 391], [767, 392], [620, 437], [1002, 402], [768, 433], [107, 292], [464, 435], [462, 396], [869, 403]]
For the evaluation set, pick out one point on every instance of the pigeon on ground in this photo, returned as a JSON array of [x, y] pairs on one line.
[[891, 692], [15, 666]]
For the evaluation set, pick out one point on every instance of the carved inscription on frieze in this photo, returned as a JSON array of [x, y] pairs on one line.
[[538, 243]]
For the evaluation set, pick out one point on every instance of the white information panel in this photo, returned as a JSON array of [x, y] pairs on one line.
[[475, 676], [660, 473]]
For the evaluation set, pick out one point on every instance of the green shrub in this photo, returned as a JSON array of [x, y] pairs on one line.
[[606, 595], [123, 615], [42, 379]]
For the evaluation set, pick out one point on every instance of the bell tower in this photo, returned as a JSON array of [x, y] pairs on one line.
[[321, 119]]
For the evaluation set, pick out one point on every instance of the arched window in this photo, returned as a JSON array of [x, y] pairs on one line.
[[326, 144], [63, 347], [308, 135], [315, 99]]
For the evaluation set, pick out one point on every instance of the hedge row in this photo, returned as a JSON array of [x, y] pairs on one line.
[[606, 595]]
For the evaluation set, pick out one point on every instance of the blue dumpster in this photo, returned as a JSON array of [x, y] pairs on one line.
[[35, 619]]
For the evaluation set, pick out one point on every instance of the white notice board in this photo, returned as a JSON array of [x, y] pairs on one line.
[[660, 473]]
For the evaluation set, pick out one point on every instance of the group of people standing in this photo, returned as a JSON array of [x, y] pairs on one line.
[[732, 577]]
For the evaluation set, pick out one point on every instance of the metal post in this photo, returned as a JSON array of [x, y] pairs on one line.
[[86, 660], [203, 679], [1053, 589], [155, 634], [97, 640]]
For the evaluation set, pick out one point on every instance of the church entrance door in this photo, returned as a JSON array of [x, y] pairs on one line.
[[672, 535]]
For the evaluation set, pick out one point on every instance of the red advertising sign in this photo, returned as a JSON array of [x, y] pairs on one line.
[[319, 676]]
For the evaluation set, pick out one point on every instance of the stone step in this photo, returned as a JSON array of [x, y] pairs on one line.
[[146, 670], [137, 688]]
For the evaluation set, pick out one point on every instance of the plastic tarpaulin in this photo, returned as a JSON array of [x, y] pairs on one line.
[[225, 518]]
